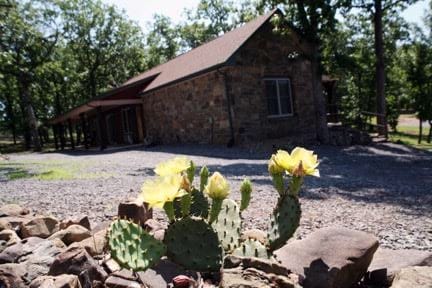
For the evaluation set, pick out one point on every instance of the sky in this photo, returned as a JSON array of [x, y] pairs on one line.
[[142, 11]]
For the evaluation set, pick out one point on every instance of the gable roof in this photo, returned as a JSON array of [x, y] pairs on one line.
[[205, 57]]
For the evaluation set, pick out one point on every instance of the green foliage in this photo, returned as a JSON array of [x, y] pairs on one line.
[[228, 225], [284, 222], [193, 244], [251, 248], [132, 247]]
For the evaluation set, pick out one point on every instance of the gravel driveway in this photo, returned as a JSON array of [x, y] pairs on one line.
[[384, 189]]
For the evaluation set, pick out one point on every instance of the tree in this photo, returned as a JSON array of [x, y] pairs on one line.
[[378, 9], [28, 35], [421, 81], [210, 19], [313, 21], [161, 42], [108, 48]]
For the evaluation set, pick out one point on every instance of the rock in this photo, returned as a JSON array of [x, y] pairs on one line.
[[12, 222], [159, 235], [95, 244], [125, 274], [111, 265], [256, 234], [4, 225], [76, 261], [254, 278], [117, 282], [83, 221], [9, 237], [329, 257], [134, 211], [413, 277], [32, 248], [162, 274], [12, 275], [13, 210], [246, 271], [73, 233], [41, 226], [35, 254], [387, 262], [61, 281], [152, 225]]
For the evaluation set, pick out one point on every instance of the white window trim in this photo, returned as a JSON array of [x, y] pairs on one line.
[[280, 115]]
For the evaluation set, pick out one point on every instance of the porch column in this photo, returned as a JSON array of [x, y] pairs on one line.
[[72, 142], [102, 129], [140, 123], [84, 130], [54, 128]]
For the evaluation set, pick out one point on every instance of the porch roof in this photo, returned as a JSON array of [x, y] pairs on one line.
[[122, 95]]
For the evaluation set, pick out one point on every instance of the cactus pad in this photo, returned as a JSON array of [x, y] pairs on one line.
[[228, 225], [193, 244], [199, 205], [132, 247], [284, 221], [251, 248]]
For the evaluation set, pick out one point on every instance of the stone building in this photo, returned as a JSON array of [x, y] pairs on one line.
[[249, 84]]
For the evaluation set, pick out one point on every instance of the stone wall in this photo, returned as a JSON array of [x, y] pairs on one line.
[[266, 55], [195, 110], [191, 111]]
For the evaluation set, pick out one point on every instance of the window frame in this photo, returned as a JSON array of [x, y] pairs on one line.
[[277, 79]]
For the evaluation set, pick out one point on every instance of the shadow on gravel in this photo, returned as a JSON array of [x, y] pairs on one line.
[[382, 173]]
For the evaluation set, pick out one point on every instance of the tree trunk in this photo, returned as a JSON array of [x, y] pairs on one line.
[[29, 115], [11, 116], [430, 132], [420, 130], [320, 109], [380, 69]]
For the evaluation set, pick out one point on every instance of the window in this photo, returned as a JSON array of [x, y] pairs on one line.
[[279, 100]]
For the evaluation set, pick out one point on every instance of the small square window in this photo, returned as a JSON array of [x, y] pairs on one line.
[[279, 99]]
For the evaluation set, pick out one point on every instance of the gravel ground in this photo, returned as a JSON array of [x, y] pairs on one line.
[[384, 189]]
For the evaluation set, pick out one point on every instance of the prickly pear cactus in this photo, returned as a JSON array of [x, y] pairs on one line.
[[228, 225], [199, 205], [193, 244], [284, 221], [251, 248], [132, 247]]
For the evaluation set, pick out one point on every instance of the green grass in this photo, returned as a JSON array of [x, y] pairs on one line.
[[408, 135], [49, 170]]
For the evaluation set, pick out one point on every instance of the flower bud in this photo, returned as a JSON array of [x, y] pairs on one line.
[[217, 187]]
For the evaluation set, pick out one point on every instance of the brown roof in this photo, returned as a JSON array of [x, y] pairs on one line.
[[209, 55]]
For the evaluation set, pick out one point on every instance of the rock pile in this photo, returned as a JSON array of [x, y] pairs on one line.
[[41, 251]]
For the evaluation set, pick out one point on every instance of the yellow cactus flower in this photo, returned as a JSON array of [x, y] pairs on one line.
[[300, 162], [273, 167], [303, 162], [173, 166], [217, 187], [162, 189]]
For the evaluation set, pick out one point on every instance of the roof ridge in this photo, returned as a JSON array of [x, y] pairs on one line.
[[202, 46]]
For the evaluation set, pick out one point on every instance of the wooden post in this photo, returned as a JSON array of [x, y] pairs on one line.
[[72, 142], [54, 128], [84, 130], [102, 129], [140, 125]]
